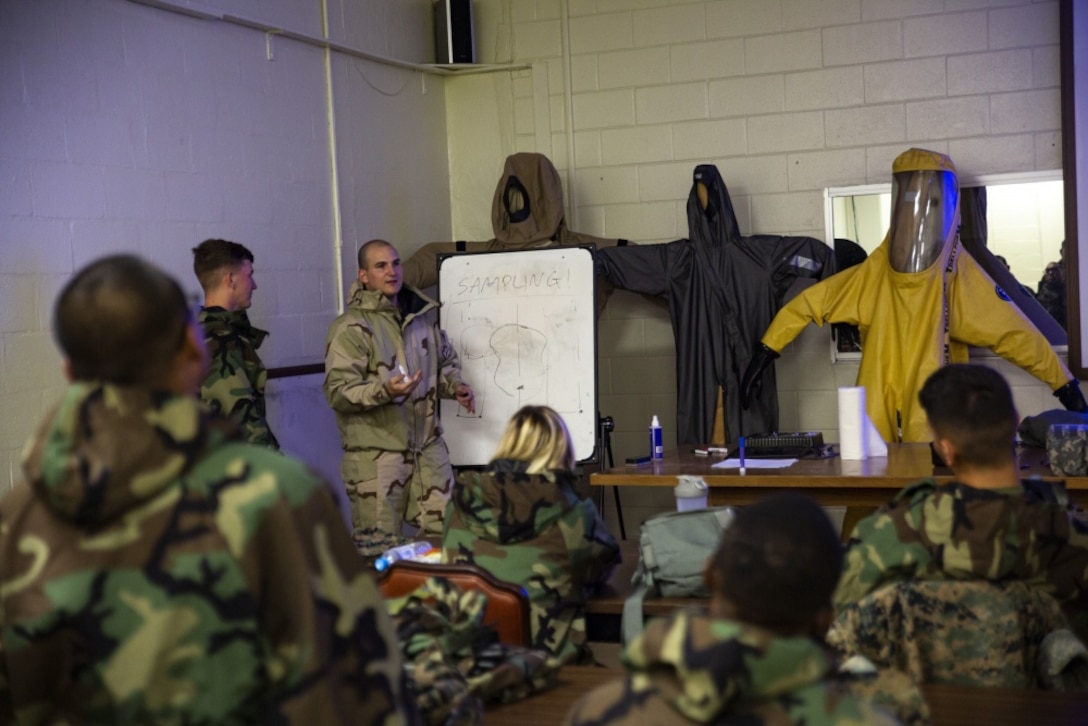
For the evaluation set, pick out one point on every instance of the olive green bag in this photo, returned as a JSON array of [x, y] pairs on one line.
[[673, 550]]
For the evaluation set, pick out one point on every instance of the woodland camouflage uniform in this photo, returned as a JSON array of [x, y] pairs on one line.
[[455, 663], [236, 376], [154, 571], [396, 466], [692, 669], [535, 531], [957, 532]]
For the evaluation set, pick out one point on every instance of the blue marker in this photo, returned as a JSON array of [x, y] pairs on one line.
[[742, 456]]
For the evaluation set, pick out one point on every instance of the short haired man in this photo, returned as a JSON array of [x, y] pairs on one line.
[[985, 525], [155, 569], [387, 363], [236, 376], [756, 656]]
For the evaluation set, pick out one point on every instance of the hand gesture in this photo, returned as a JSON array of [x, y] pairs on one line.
[[466, 397], [402, 384]]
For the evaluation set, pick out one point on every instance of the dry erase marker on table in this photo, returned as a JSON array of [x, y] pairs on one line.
[[638, 460], [708, 450], [742, 456]]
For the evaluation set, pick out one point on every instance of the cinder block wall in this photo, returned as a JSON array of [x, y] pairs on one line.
[[128, 128], [787, 97]]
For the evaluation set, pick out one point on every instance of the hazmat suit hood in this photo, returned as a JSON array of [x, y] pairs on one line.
[[925, 209], [711, 219], [527, 210], [526, 213]]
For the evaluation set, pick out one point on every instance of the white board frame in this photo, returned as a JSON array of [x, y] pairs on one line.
[[540, 303]]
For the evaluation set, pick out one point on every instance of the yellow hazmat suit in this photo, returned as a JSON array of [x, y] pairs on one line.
[[911, 323]]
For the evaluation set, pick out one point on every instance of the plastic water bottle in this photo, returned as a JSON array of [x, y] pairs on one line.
[[410, 551], [657, 448]]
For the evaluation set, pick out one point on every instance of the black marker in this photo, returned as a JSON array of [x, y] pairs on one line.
[[637, 460]]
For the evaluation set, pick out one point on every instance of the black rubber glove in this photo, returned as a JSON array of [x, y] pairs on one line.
[[751, 384], [1071, 397]]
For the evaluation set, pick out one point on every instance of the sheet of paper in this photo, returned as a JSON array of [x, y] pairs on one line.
[[755, 463]]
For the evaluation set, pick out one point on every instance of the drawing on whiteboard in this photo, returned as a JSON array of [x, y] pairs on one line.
[[515, 363], [523, 324]]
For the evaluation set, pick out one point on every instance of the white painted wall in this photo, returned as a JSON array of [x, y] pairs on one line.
[[304, 423], [126, 128], [786, 97]]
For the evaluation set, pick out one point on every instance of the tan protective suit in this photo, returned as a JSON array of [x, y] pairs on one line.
[[526, 213], [911, 323]]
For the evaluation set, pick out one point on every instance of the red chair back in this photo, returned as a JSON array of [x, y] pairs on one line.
[[507, 604]]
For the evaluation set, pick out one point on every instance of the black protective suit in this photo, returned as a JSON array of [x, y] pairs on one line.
[[723, 291]]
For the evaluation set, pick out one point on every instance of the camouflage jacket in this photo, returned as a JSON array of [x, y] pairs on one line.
[[957, 532], [534, 530], [974, 632], [692, 669], [153, 571], [236, 376], [363, 349], [455, 663]]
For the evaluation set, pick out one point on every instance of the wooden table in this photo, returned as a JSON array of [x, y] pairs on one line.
[[955, 705], [949, 705], [550, 707], [831, 481]]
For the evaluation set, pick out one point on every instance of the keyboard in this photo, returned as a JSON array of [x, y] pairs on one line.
[[781, 445]]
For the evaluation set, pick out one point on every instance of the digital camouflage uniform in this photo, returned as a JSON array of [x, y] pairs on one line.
[[154, 571], [236, 376], [974, 632], [692, 669], [455, 663], [535, 531], [396, 466], [957, 532]]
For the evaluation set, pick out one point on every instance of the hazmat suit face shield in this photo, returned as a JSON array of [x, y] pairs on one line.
[[924, 207]]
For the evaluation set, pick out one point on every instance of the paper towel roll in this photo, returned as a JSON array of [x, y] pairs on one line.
[[852, 423]]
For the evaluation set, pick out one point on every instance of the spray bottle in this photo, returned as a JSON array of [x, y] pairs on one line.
[[657, 447]]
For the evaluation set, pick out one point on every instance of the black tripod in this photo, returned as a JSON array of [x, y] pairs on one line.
[[605, 425]]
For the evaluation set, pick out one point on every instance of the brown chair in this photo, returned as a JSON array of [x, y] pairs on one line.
[[507, 604]]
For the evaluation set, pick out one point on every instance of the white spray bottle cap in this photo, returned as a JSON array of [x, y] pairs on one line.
[[655, 423]]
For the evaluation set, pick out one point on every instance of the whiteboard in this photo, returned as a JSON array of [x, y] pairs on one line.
[[524, 324]]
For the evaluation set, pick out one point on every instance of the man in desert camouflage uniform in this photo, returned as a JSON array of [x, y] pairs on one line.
[[387, 363], [987, 525], [155, 569], [236, 376], [756, 656]]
